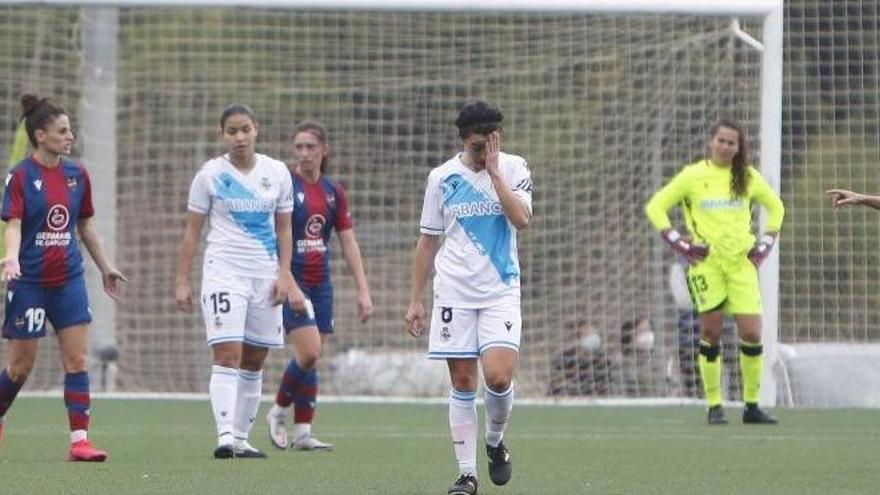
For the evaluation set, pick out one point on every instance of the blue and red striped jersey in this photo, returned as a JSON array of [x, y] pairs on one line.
[[318, 208], [49, 202]]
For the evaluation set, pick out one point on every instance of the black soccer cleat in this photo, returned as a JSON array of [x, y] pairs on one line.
[[716, 416], [223, 452], [466, 484], [500, 467], [754, 415]]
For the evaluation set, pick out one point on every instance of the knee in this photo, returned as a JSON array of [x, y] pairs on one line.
[[227, 359], [308, 360], [464, 382], [19, 369], [498, 383], [76, 364]]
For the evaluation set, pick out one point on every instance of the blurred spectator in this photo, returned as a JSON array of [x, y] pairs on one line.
[[640, 366], [582, 367]]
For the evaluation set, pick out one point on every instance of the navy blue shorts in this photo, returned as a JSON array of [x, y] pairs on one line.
[[30, 306], [321, 297]]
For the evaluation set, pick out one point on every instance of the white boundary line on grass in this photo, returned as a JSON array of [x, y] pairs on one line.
[[370, 399]]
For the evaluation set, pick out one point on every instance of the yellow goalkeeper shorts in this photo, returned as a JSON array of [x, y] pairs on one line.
[[725, 283]]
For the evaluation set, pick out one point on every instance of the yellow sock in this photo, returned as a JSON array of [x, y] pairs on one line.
[[751, 363], [710, 372]]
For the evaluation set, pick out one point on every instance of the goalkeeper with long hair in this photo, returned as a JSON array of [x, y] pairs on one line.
[[716, 195]]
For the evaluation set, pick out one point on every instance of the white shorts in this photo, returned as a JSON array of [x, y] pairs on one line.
[[468, 332], [240, 309]]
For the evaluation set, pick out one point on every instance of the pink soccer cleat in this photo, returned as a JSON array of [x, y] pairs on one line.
[[83, 451]]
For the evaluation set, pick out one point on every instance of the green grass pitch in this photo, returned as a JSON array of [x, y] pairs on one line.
[[166, 446]]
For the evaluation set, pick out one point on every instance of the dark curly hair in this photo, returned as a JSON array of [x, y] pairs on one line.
[[478, 117], [38, 113]]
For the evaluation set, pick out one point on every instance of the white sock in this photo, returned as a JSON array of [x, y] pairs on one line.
[[247, 402], [222, 390], [78, 435], [463, 427], [498, 407], [301, 430], [282, 412]]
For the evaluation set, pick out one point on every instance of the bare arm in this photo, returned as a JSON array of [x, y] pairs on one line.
[[285, 285], [352, 253], [12, 240], [842, 197], [515, 210], [185, 254], [109, 274], [423, 260]]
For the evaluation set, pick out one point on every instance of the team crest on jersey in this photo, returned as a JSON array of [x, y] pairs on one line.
[[315, 225], [71, 182], [58, 218], [265, 183]]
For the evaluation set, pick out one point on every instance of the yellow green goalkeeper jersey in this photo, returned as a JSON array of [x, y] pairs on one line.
[[713, 215]]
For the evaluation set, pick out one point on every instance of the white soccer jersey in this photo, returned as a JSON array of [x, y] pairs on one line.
[[478, 263], [241, 209]]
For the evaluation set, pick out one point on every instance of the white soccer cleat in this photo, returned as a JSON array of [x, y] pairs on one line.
[[277, 429], [310, 443], [242, 449]]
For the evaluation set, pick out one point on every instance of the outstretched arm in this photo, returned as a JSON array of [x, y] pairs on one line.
[[842, 197]]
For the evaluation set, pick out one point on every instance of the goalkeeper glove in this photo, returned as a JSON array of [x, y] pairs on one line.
[[762, 248], [693, 253]]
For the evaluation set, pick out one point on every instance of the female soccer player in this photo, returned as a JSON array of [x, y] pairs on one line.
[[716, 196], [477, 200], [321, 207], [48, 199], [244, 277]]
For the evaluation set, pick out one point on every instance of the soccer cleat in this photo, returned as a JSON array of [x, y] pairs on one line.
[[466, 484], [277, 430], [716, 416], [244, 450], [224, 452], [310, 443], [83, 451], [500, 467], [754, 415]]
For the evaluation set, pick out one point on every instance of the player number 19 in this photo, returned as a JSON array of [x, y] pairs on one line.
[[36, 318]]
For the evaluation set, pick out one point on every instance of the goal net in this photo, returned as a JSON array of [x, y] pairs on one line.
[[605, 108]]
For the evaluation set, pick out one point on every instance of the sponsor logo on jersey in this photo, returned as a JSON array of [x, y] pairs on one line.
[[331, 200], [721, 204], [71, 182], [315, 225], [38, 184], [476, 208], [300, 197], [58, 218], [265, 183], [509, 325]]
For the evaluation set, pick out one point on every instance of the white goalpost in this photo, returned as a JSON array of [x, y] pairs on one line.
[[606, 99]]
